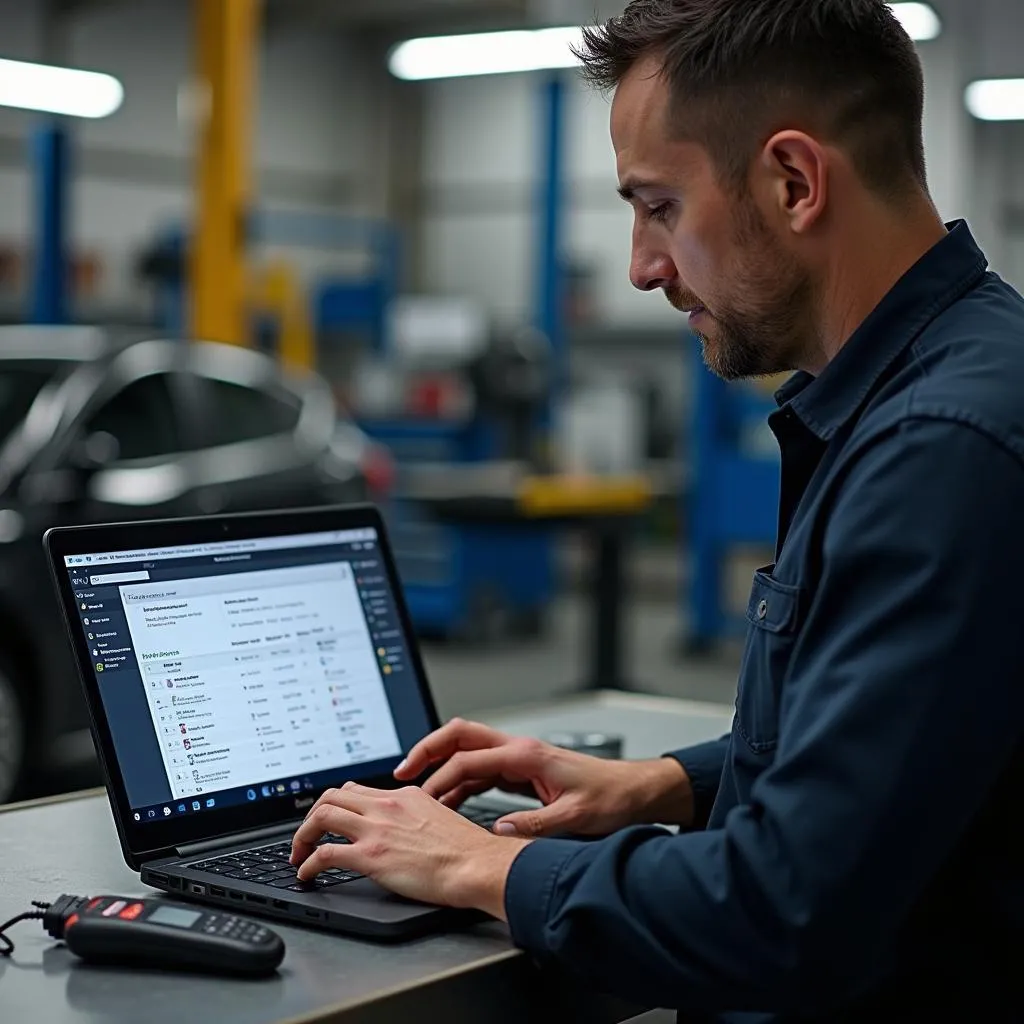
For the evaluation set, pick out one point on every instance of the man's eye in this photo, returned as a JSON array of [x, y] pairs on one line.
[[660, 212]]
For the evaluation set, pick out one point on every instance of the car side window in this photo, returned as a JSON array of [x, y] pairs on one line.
[[141, 418], [240, 413]]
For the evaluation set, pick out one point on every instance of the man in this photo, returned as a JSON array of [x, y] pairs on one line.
[[851, 850]]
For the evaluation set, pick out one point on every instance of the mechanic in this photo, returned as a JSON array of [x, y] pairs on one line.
[[851, 851]]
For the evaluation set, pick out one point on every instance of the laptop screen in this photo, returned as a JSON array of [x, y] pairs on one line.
[[247, 670]]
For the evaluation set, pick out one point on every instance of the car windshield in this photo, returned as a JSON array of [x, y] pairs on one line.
[[19, 385]]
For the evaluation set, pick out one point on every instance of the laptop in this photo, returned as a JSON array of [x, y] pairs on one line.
[[235, 667]]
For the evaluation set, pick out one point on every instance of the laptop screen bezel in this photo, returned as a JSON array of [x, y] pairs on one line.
[[143, 841]]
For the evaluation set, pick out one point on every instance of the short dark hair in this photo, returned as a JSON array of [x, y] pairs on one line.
[[740, 70]]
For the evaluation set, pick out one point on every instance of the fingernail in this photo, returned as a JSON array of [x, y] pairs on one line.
[[400, 766], [505, 828]]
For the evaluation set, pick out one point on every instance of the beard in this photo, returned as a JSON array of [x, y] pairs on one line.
[[761, 333]]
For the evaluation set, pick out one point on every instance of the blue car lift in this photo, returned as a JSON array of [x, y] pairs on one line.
[[733, 499]]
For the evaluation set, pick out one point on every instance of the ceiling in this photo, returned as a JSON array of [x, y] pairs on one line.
[[404, 17]]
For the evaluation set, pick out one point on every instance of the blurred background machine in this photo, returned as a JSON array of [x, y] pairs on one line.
[[447, 393]]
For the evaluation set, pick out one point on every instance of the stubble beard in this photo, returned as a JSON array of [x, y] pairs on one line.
[[756, 335]]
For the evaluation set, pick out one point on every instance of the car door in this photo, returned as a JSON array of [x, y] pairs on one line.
[[134, 434], [263, 439]]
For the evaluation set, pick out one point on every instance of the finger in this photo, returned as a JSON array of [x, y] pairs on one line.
[[339, 797], [342, 820], [440, 745], [328, 796], [490, 765], [330, 855], [545, 821], [458, 796]]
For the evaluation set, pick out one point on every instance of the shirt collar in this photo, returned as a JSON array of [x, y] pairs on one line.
[[935, 282]]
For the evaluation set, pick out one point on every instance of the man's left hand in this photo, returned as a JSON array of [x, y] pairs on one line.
[[410, 844]]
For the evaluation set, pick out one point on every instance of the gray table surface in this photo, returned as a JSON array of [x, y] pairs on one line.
[[71, 846]]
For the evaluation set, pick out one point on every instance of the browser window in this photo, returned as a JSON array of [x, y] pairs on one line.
[[256, 675]]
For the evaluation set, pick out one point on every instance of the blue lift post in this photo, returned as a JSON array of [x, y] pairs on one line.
[[51, 164], [733, 498], [550, 284]]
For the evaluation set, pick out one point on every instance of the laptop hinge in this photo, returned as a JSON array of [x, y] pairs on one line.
[[252, 836]]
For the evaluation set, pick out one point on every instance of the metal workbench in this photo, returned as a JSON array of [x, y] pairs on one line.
[[68, 844]]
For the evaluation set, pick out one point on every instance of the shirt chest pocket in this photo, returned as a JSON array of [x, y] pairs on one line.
[[773, 612]]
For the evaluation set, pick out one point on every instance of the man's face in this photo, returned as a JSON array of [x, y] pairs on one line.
[[712, 251]]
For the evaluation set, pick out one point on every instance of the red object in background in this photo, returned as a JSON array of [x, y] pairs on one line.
[[379, 469], [440, 396], [427, 397]]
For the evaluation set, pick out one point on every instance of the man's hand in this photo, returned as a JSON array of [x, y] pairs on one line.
[[582, 795], [410, 844]]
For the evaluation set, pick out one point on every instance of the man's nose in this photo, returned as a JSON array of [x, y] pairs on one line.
[[649, 270]]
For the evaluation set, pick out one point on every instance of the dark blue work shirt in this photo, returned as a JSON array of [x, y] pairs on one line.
[[858, 854]]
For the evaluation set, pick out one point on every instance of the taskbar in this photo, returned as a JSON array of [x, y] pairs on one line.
[[275, 789]]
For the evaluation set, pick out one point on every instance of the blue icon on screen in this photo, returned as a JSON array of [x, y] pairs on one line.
[[181, 808], [195, 805], [250, 794], [209, 801], [266, 790]]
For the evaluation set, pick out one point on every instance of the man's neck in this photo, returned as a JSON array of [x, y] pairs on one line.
[[879, 252]]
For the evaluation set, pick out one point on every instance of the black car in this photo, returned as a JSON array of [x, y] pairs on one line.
[[92, 431]]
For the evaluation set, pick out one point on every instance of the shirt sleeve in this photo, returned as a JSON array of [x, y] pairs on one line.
[[900, 710], [703, 765]]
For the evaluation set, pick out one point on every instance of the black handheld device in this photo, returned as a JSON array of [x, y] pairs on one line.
[[167, 936]]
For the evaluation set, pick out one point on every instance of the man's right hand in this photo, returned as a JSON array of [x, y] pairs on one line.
[[581, 794]]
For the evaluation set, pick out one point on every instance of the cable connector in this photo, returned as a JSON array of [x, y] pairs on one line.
[[59, 911]]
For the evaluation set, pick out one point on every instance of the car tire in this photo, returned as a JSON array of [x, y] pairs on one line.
[[12, 734]]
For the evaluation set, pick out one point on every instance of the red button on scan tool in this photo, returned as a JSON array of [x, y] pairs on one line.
[[132, 912]]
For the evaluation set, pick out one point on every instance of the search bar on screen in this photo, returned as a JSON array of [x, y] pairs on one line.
[[119, 577]]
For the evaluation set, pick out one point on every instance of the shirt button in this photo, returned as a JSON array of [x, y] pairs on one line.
[[762, 609]]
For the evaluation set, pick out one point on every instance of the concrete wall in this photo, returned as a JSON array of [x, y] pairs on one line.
[[482, 164]]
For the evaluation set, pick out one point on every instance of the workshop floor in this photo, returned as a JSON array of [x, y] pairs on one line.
[[466, 680]]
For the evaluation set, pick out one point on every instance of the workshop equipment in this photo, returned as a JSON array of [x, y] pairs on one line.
[[447, 412]]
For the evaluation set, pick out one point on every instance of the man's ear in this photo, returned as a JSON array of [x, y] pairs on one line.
[[796, 167]]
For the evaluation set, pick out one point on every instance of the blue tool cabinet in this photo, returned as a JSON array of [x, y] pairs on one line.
[[461, 581]]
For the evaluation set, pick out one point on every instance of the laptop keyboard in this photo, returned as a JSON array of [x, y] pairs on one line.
[[268, 865]]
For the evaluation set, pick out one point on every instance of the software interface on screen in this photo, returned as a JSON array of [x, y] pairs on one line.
[[247, 670]]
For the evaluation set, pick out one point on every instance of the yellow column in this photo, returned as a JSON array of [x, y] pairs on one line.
[[278, 291], [226, 43]]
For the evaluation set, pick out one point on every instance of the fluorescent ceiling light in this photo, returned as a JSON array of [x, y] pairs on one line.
[[485, 53], [542, 49], [58, 90], [996, 99], [919, 20]]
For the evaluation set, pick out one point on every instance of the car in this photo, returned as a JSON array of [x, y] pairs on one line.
[[96, 431]]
